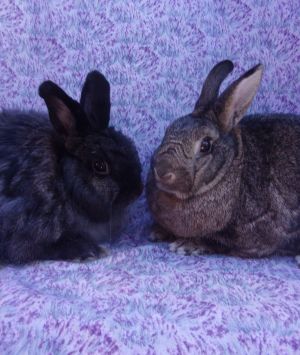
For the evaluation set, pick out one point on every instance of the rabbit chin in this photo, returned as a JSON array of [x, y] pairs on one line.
[[107, 232], [173, 191]]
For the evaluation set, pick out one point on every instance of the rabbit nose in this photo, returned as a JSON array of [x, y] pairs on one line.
[[163, 174]]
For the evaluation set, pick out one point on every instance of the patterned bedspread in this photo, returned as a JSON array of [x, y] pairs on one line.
[[143, 299]]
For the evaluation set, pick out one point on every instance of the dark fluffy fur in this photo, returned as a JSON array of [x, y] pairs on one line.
[[242, 197], [52, 204]]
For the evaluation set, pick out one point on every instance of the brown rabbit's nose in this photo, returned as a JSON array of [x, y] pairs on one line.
[[163, 173]]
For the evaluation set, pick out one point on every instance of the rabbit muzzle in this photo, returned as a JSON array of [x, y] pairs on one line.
[[171, 179]]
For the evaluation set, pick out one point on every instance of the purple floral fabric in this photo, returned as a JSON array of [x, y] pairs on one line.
[[142, 299]]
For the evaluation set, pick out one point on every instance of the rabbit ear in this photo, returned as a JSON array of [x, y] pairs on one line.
[[65, 113], [235, 100], [95, 100], [211, 86]]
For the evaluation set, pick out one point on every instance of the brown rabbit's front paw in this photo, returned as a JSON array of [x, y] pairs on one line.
[[297, 258], [156, 236], [159, 235], [188, 247]]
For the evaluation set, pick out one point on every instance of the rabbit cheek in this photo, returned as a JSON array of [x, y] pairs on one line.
[[106, 188], [202, 171]]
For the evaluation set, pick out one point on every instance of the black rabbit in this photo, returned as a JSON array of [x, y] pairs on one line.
[[223, 184], [64, 185]]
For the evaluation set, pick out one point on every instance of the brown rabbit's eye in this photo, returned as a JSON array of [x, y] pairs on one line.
[[206, 145], [100, 167]]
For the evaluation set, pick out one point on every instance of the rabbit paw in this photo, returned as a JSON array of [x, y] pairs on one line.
[[297, 258], [90, 256], [155, 236], [158, 234], [188, 248], [87, 251], [75, 249]]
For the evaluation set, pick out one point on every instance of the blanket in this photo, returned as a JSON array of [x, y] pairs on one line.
[[141, 298]]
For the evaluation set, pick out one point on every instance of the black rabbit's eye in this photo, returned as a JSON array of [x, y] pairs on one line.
[[206, 145], [100, 167]]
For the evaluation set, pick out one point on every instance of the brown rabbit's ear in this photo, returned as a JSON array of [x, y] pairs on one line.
[[65, 113], [235, 100], [211, 86]]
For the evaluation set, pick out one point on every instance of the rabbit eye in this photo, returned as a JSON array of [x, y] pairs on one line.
[[206, 145], [100, 167]]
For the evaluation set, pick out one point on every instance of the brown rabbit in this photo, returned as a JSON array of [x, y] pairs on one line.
[[221, 183]]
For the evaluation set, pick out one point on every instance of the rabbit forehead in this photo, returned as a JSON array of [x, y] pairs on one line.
[[192, 129], [110, 139]]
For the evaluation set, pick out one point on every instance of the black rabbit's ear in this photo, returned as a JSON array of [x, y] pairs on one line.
[[235, 100], [211, 86], [95, 100], [65, 113]]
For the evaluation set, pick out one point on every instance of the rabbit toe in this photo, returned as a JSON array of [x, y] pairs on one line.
[[187, 248], [96, 253], [156, 237]]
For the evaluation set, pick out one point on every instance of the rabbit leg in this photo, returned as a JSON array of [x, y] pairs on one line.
[[73, 247], [199, 246], [158, 234], [190, 247]]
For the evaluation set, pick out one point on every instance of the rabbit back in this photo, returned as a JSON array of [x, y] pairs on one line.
[[29, 190], [269, 199], [26, 151]]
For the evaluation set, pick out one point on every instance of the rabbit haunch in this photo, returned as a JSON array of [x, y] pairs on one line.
[[223, 183]]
